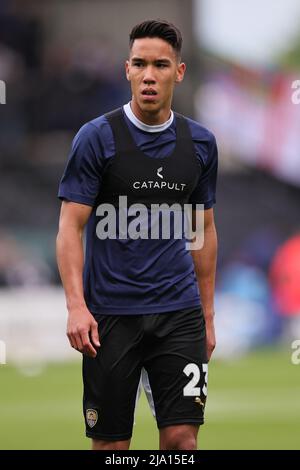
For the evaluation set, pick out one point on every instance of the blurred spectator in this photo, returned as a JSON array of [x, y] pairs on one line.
[[245, 319], [76, 86], [18, 268], [285, 283], [22, 34]]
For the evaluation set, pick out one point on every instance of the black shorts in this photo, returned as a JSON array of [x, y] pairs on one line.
[[170, 346]]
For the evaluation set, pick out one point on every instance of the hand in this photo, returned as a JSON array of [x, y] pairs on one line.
[[82, 331], [210, 336]]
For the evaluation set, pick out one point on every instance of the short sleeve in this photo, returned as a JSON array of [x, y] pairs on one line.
[[81, 180], [205, 191]]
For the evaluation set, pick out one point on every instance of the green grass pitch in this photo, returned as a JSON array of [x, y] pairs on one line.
[[253, 403]]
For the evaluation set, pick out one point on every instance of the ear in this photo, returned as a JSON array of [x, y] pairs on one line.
[[180, 72], [127, 68]]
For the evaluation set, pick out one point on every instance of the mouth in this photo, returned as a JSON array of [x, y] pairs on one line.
[[149, 94]]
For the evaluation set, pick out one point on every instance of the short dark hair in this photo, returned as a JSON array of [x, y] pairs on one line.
[[158, 29]]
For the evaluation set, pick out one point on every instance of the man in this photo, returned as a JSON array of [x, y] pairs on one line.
[[135, 301]]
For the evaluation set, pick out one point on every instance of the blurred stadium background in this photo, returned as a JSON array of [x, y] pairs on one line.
[[62, 63]]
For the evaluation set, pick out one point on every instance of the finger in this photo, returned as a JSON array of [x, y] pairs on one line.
[[71, 340], [78, 341], [87, 347], [95, 334]]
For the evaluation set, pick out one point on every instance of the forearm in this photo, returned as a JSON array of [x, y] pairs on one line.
[[205, 261], [82, 328], [70, 259]]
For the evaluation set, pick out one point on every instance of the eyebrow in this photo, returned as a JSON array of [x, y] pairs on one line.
[[162, 60]]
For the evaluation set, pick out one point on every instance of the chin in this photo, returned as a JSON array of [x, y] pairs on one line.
[[152, 107]]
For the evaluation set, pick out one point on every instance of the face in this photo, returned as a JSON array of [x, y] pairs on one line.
[[153, 70]]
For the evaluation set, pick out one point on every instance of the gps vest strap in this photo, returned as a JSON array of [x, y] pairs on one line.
[[145, 179]]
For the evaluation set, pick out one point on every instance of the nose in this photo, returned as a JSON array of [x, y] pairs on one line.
[[149, 77]]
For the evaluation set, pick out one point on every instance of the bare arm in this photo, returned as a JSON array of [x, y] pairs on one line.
[[205, 261], [82, 328]]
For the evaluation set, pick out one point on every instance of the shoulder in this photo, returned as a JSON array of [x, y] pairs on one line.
[[98, 128], [204, 142], [96, 135], [200, 133]]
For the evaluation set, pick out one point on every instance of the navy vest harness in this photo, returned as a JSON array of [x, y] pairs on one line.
[[148, 180]]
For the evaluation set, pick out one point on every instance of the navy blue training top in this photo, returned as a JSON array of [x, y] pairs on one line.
[[135, 276]]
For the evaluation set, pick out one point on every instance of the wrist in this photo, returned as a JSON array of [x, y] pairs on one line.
[[209, 315], [76, 305]]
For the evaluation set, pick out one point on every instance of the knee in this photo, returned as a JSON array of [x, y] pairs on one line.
[[98, 444], [180, 440]]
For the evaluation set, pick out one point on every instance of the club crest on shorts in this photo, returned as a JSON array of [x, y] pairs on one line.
[[91, 417]]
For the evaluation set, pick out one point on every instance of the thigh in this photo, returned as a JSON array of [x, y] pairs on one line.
[[111, 379], [177, 368]]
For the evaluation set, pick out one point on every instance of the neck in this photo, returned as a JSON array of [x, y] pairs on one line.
[[152, 118]]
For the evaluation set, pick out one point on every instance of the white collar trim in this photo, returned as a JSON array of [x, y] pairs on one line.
[[145, 127]]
